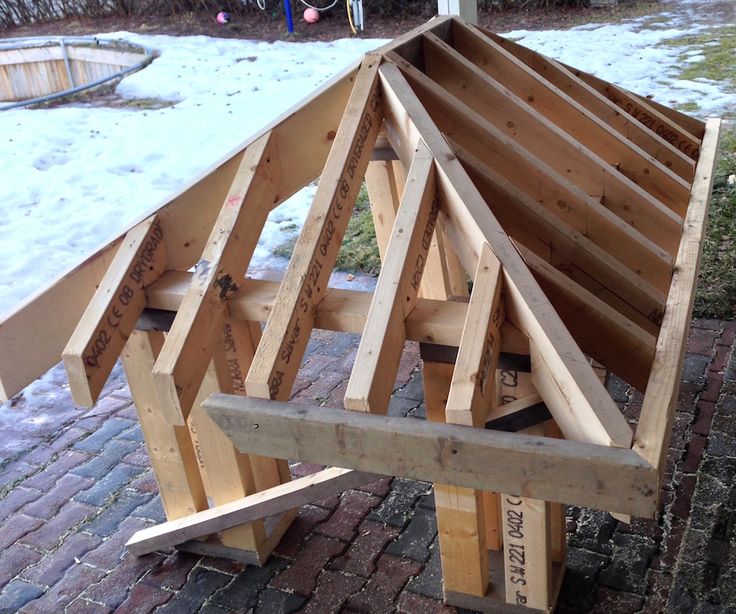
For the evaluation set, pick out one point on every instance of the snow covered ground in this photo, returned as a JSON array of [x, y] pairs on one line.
[[72, 177]]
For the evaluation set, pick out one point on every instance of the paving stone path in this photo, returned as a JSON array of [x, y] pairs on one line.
[[75, 484]]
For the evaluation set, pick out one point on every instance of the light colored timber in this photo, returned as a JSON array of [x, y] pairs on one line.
[[527, 552], [239, 341], [526, 522], [304, 133], [658, 408], [228, 470], [526, 305], [460, 511], [693, 125], [385, 182], [617, 178], [189, 346], [535, 176], [379, 352], [640, 292], [597, 476], [465, 516], [279, 354], [598, 105], [169, 447], [431, 321], [473, 389], [100, 336], [621, 345], [276, 500], [643, 112]]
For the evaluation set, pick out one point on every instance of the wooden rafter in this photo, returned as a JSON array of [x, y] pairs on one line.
[[535, 175], [599, 105], [612, 177], [118, 302], [279, 354], [197, 327], [396, 294], [526, 305]]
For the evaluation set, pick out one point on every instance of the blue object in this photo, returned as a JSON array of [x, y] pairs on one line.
[[289, 19]]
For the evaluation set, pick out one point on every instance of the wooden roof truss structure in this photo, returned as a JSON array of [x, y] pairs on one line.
[[576, 208]]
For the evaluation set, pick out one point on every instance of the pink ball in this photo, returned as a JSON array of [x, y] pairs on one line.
[[311, 15], [223, 18]]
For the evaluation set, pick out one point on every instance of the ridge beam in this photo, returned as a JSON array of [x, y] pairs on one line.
[[526, 305], [197, 327], [111, 315], [303, 287], [377, 361]]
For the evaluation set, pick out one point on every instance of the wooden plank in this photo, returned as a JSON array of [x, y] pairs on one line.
[[374, 372], [473, 389], [693, 125], [637, 288], [431, 321], [26, 355], [622, 176], [302, 288], [304, 134], [170, 448], [597, 476], [460, 511], [108, 321], [621, 345], [531, 174], [526, 305], [240, 339], [260, 505], [189, 346], [527, 552], [658, 408], [596, 105], [228, 470], [644, 113], [385, 182]]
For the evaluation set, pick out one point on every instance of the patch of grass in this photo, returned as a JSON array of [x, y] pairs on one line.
[[359, 250], [688, 107], [152, 104], [718, 46], [716, 295]]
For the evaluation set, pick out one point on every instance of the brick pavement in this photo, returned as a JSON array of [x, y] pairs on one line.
[[74, 485]]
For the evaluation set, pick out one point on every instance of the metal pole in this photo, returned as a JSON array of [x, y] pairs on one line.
[[289, 19], [67, 64]]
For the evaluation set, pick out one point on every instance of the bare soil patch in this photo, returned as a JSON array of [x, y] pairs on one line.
[[263, 25]]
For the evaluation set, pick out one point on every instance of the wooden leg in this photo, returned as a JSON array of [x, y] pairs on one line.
[[170, 448], [460, 515], [229, 474], [527, 552], [492, 508], [533, 530]]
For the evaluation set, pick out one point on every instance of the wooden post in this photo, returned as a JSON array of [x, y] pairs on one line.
[[170, 448], [467, 9]]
